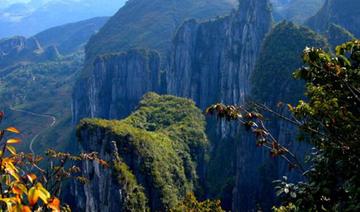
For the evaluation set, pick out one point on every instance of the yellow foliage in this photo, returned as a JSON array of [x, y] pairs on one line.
[[20, 191]]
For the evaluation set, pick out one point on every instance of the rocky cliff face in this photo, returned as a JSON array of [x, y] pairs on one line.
[[161, 151], [139, 24], [213, 62], [116, 84]]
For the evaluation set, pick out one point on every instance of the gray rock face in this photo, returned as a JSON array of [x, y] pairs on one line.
[[103, 192], [116, 84], [212, 61]]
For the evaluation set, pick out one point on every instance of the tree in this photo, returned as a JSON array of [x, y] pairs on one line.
[[329, 119], [191, 204]]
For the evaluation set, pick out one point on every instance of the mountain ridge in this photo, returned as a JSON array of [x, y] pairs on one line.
[[345, 13]]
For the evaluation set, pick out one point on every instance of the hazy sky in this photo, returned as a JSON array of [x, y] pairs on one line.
[[37, 15], [6, 3]]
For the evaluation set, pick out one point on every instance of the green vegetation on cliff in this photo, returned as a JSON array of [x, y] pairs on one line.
[[135, 198], [280, 56], [163, 145]]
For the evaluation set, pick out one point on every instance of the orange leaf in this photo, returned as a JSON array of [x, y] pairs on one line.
[[54, 204], [31, 177], [13, 141], [26, 209], [16, 190], [19, 188], [33, 196], [103, 163], [13, 130]]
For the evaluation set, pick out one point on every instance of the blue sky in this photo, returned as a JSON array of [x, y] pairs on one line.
[[5, 3]]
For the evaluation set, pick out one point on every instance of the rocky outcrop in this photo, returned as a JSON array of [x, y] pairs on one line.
[[161, 151], [116, 84]]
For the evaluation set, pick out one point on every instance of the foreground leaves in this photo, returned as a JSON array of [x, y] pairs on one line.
[[24, 191]]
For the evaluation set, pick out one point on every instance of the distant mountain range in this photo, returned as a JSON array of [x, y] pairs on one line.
[[50, 44], [70, 37], [345, 13], [296, 10], [27, 18]]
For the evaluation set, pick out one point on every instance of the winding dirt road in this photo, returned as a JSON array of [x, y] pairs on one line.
[[52, 124]]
